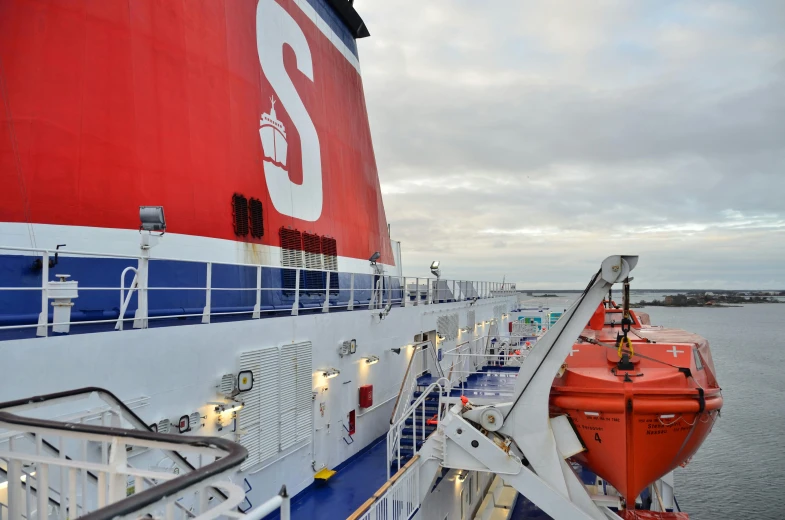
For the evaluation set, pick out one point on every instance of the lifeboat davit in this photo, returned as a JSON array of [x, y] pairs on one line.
[[643, 417]]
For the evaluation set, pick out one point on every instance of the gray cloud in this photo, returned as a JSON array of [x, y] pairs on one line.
[[531, 139]]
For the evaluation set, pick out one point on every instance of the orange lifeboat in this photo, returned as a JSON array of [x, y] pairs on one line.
[[642, 416]]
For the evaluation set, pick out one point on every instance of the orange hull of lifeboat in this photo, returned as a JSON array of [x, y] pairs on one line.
[[640, 423]]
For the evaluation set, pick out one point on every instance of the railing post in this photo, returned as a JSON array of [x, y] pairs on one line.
[[404, 293], [351, 293], [43, 318], [117, 481], [14, 484], [208, 294], [417, 291], [454, 294], [389, 290], [257, 309], [285, 505], [430, 291], [63, 482], [140, 317], [326, 306], [296, 304]]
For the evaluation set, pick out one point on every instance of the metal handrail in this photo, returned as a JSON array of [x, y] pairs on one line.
[[394, 433], [383, 291], [142, 431], [235, 454]]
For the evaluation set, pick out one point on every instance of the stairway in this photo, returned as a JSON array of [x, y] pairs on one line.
[[418, 424], [491, 381]]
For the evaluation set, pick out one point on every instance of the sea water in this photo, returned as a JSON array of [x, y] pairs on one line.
[[739, 472]]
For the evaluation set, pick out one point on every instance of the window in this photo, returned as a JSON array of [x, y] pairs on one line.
[[698, 360], [240, 215]]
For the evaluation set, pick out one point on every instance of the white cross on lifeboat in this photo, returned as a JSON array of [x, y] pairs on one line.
[[674, 351], [573, 351]]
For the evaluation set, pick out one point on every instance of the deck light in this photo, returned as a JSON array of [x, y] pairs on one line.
[[221, 408], [397, 350], [152, 218], [330, 373], [374, 257], [435, 269], [462, 476], [371, 360]]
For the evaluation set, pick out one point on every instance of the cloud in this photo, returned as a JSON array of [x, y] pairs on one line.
[[532, 139]]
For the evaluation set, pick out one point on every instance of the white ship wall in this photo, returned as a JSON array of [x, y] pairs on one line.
[[178, 368]]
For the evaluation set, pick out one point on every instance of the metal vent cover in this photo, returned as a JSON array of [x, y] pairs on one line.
[[164, 426], [470, 320], [240, 215], [447, 326], [227, 385], [257, 218], [195, 421]]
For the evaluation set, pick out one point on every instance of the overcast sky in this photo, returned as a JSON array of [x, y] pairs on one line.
[[534, 138]]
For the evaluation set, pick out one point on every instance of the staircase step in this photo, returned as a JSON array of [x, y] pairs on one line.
[[409, 422], [409, 431], [406, 442], [433, 395]]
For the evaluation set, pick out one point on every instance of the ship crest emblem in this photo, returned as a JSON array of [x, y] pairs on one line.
[[273, 135]]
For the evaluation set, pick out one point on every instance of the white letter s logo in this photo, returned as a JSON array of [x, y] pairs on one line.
[[274, 28]]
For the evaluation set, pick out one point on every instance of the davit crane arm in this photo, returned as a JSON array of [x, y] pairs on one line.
[[544, 476]]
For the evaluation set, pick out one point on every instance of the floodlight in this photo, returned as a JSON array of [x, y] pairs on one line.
[[152, 218], [374, 257], [329, 373]]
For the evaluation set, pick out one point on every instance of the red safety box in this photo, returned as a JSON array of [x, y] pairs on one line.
[[366, 396]]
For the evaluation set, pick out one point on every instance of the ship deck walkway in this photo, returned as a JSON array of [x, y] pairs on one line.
[[354, 481]]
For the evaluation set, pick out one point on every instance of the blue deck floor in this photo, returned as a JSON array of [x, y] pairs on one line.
[[352, 485], [365, 473]]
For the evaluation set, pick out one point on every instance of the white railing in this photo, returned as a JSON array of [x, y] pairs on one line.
[[414, 412], [398, 498], [422, 352], [70, 470], [387, 290], [470, 357]]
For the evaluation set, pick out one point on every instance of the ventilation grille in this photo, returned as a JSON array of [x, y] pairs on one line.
[[227, 385], [470, 320], [260, 407], [164, 426], [240, 215], [291, 256], [447, 326], [195, 420], [521, 328], [296, 406], [314, 281], [330, 258], [257, 218]]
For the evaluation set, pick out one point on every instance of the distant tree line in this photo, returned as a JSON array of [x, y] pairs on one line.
[[709, 299]]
